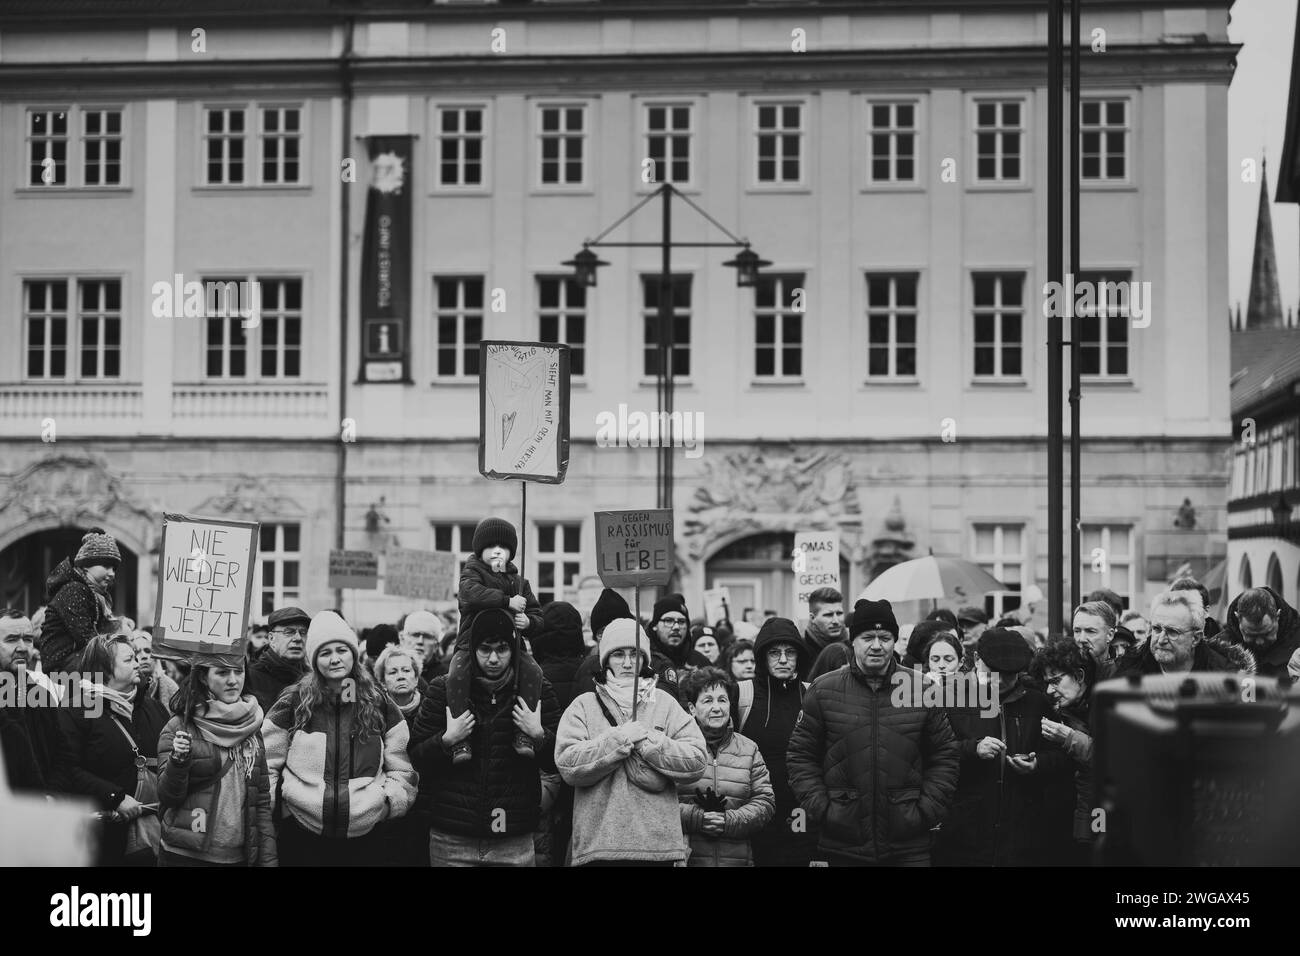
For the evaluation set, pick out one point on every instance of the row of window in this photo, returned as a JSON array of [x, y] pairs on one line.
[[1268, 464], [74, 328], [555, 559], [263, 144]]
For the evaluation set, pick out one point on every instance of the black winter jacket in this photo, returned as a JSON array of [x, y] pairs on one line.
[[29, 737], [270, 674], [481, 589], [75, 614], [1271, 661], [466, 799], [94, 758], [876, 776], [560, 650], [1209, 654]]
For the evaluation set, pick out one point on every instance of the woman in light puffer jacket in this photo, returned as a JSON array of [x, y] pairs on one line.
[[734, 798]]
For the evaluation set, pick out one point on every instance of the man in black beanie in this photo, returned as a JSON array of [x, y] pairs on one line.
[[835, 656]]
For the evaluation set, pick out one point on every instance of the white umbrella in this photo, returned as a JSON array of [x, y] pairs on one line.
[[932, 577]]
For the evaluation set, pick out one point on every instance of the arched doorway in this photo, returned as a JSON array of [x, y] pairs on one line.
[[757, 572], [1274, 574], [26, 563], [1244, 577]]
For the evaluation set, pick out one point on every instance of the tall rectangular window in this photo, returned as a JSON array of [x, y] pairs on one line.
[[681, 324], [891, 326], [280, 555], [668, 132], [891, 142], [1104, 140], [999, 140], [47, 147], [253, 328], [223, 145], [86, 327], [999, 322], [101, 328], [1000, 550], [281, 137], [459, 147], [47, 328], [558, 558], [778, 326], [456, 538], [458, 303], [280, 328], [101, 147], [1106, 552], [778, 132], [562, 142], [562, 317], [1103, 342]]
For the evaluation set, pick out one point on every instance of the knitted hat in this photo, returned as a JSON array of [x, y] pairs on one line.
[[610, 606], [495, 531], [1004, 650], [621, 633], [326, 627], [671, 602], [97, 547], [873, 616], [494, 624]]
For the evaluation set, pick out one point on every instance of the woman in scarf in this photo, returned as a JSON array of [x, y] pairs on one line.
[[213, 786], [624, 770], [79, 592], [106, 736], [339, 746], [398, 671]]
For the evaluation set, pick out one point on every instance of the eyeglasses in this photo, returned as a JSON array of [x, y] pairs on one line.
[[420, 634], [291, 631], [781, 654], [500, 650], [673, 621], [1159, 630]]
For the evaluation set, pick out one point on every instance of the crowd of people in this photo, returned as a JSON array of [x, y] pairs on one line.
[[501, 735]]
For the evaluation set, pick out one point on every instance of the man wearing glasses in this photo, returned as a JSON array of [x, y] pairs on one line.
[[668, 644], [1177, 643], [282, 663]]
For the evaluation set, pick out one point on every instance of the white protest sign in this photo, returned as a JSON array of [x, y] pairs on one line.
[[409, 572], [816, 563], [717, 604], [205, 584], [524, 411]]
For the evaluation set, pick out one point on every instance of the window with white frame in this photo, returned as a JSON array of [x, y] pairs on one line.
[[460, 142], [280, 555], [253, 316], [681, 324], [562, 317], [891, 142], [93, 158], [668, 136], [999, 324], [999, 141], [88, 325], [458, 315], [1000, 550], [1103, 339], [778, 326], [891, 325], [1104, 140], [562, 144], [557, 558], [778, 149], [455, 537], [270, 155], [1106, 553]]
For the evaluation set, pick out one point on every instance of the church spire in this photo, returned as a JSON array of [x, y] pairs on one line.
[[1264, 308]]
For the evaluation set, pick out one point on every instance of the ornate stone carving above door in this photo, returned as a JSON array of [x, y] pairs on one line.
[[73, 490], [249, 497]]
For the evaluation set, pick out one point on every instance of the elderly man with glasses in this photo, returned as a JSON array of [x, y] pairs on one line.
[[1177, 643], [284, 661]]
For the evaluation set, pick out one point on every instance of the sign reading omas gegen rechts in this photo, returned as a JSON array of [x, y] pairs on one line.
[[634, 548], [205, 585]]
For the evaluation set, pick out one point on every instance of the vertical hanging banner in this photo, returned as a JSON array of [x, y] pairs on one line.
[[523, 411], [205, 585], [386, 263]]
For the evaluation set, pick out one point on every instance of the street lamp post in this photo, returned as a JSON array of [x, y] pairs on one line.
[[746, 263]]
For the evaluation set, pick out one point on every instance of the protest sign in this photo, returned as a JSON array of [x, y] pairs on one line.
[[354, 569], [205, 585], [430, 575], [634, 548], [816, 565], [524, 411], [717, 604]]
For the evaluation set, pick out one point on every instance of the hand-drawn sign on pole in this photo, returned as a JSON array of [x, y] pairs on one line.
[[524, 411]]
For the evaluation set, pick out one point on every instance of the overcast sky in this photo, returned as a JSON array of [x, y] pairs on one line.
[[1257, 120]]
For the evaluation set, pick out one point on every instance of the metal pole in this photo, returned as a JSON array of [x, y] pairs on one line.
[[1076, 324], [1055, 557], [666, 342], [345, 200]]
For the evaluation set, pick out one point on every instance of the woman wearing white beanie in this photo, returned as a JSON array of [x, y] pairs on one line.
[[624, 770], [338, 744]]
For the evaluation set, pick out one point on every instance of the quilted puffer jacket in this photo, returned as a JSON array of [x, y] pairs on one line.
[[482, 589], [876, 776], [736, 772], [336, 784], [188, 792], [466, 799]]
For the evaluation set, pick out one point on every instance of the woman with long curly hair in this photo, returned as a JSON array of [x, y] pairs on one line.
[[336, 748], [213, 786]]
